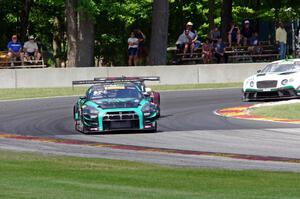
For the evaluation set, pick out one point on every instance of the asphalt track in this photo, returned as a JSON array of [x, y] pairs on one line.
[[189, 134]]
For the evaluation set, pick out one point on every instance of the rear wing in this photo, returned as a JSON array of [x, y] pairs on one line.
[[101, 80], [127, 79]]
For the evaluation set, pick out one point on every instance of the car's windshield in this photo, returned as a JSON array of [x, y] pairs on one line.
[[108, 92], [279, 68]]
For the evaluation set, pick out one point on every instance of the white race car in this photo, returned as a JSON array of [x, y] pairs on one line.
[[277, 80]]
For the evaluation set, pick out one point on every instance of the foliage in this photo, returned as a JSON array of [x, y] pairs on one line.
[[115, 19]]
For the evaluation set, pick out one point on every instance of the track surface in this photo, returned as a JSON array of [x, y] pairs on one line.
[[187, 123]]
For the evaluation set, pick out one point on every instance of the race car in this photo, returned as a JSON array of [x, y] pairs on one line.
[[113, 107], [140, 82], [277, 80]]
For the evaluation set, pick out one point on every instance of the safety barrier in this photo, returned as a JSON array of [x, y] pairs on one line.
[[183, 74]]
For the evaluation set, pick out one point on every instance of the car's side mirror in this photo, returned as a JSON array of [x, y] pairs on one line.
[[258, 71]]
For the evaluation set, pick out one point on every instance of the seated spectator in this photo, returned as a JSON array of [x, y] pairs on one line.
[[206, 52], [234, 36], [246, 33], [192, 36], [220, 51], [181, 41], [214, 34], [15, 50], [253, 42], [133, 44], [31, 50]]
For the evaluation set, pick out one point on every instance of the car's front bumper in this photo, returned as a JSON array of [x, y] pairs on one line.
[[270, 94], [119, 121]]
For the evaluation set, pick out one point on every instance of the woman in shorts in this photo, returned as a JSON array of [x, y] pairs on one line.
[[133, 44]]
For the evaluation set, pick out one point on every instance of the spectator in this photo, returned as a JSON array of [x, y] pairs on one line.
[[181, 41], [206, 52], [15, 49], [133, 44], [220, 51], [246, 33], [192, 36], [214, 34], [281, 37], [142, 52], [31, 50], [253, 42], [234, 36]]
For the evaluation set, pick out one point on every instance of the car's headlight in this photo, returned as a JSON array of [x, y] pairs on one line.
[[90, 110], [251, 83], [284, 82], [148, 109]]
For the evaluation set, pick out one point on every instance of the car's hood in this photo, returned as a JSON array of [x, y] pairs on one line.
[[118, 103]]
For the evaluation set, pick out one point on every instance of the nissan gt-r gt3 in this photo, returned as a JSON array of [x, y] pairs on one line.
[[277, 80], [140, 83], [114, 107]]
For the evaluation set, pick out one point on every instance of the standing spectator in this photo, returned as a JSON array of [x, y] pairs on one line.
[[206, 52], [133, 44], [142, 52], [234, 35], [281, 37], [15, 49], [31, 50], [214, 34], [192, 36], [246, 32], [220, 51]]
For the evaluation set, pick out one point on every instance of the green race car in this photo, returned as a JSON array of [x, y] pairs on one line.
[[114, 107]]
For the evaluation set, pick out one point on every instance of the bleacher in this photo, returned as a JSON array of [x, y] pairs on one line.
[[5, 63], [236, 54]]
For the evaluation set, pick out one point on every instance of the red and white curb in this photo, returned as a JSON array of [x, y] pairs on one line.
[[243, 112]]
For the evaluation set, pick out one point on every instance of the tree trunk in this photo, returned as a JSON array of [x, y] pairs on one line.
[[226, 17], [24, 19], [159, 33], [86, 39], [71, 16], [57, 41], [211, 15]]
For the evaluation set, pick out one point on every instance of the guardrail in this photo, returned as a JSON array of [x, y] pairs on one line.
[[183, 74]]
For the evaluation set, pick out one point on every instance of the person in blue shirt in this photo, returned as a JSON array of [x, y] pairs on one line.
[[220, 51], [15, 49]]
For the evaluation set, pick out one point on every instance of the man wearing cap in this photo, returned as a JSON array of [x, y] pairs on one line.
[[246, 32], [192, 37], [15, 49], [31, 49]]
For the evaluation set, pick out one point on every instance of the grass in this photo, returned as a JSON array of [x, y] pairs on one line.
[[28, 175], [288, 111], [20, 93]]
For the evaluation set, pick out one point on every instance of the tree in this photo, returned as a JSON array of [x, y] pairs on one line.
[[211, 15], [24, 19], [80, 34], [159, 33], [226, 17]]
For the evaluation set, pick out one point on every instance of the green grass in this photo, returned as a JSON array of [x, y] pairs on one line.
[[26, 175], [289, 111], [20, 93]]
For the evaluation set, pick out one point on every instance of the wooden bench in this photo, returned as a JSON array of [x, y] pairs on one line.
[[5, 63]]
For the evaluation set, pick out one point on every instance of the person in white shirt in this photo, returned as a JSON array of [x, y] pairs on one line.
[[31, 50], [281, 37], [133, 44]]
